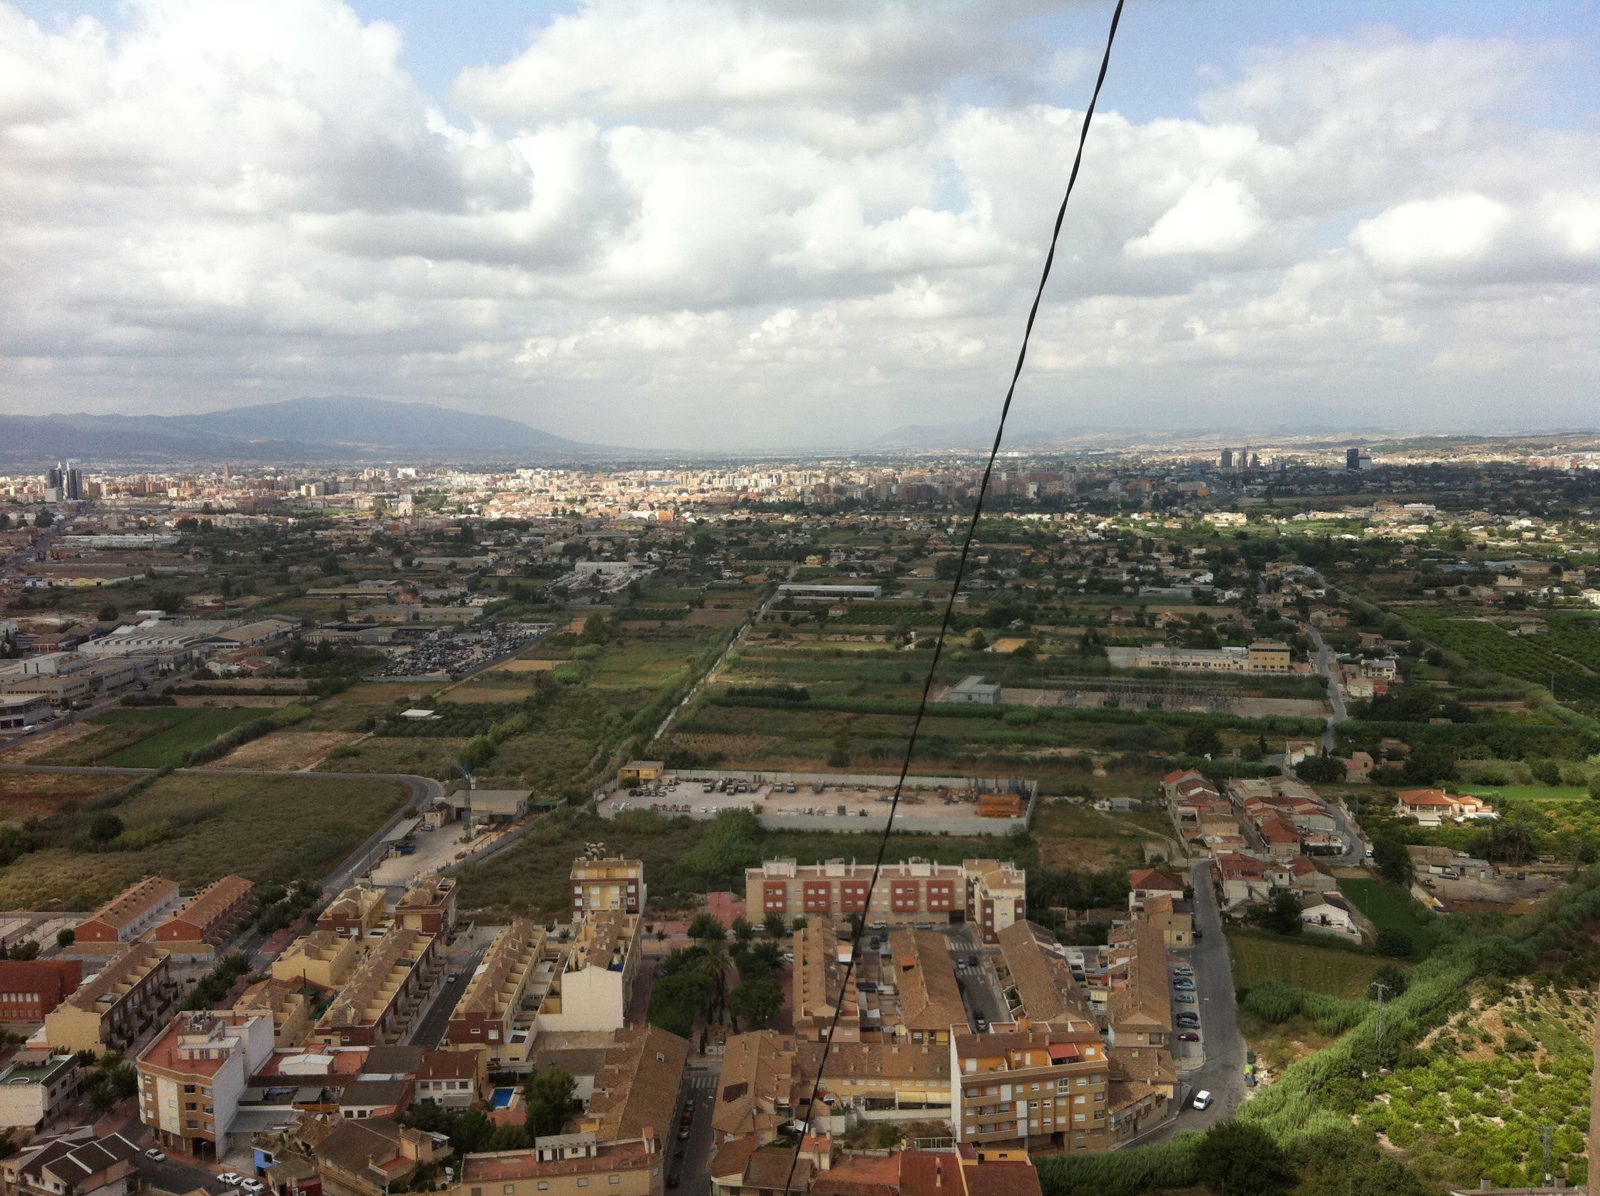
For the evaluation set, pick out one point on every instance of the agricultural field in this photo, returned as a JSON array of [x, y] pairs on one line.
[[285, 751], [149, 736], [196, 827], [25, 795], [1569, 652], [1086, 839], [352, 709], [431, 757], [1300, 961], [1471, 1102], [1391, 908]]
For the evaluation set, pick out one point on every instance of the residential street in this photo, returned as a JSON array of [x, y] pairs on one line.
[[1223, 1072], [692, 1158]]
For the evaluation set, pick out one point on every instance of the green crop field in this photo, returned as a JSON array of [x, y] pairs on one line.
[[149, 736], [195, 827], [1391, 908], [1259, 956]]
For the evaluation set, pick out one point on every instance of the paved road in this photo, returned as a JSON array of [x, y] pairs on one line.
[[1223, 1072], [1323, 662], [691, 1158], [428, 1030], [979, 989]]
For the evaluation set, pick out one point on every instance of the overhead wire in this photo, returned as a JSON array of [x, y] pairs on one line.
[[860, 925]]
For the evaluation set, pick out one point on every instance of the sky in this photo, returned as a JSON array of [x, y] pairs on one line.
[[732, 224]]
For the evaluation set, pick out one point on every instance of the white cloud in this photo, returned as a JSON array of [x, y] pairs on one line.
[[1219, 216], [719, 220]]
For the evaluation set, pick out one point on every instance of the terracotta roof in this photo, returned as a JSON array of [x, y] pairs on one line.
[[636, 1090], [925, 977], [1425, 797], [1041, 975], [1155, 878], [757, 1074], [134, 901], [1144, 1000]]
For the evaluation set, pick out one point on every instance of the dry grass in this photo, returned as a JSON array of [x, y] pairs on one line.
[[525, 666], [284, 750], [25, 795], [48, 741]]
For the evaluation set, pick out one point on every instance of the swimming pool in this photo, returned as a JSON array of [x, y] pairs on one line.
[[501, 1098]]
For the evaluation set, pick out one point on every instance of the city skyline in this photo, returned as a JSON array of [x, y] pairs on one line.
[[757, 227]]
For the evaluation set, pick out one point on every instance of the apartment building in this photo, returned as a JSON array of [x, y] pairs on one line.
[[75, 1164], [821, 996], [35, 1086], [567, 1165], [608, 884], [428, 906], [636, 1089], [924, 978], [210, 918], [909, 1079], [382, 993], [594, 978], [754, 1093], [1041, 1088], [112, 1008], [192, 1077], [487, 1011], [137, 909], [986, 894], [1036, 979], [354, 913], [1139, 1012], [319, 957], [31, 988], [285, 1002]]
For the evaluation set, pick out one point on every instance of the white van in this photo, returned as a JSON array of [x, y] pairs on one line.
[[1202, 1099]]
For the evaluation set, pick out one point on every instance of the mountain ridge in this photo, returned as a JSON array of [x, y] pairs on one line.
[[313, 428]]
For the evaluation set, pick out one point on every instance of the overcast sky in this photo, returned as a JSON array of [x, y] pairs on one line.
[[779, 223]]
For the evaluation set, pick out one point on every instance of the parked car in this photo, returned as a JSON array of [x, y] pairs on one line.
[[1202, 1099], [231, 1178], [1183, 969], [1184, 984], [1188, 1036], [156, 1155], [1186, 1019], [254, 1186], [1183, 998], [979, 1021]]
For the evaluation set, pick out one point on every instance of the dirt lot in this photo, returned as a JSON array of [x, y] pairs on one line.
[[705, 617], [285, 750], [46, 741], [526, 666], [36, 794]]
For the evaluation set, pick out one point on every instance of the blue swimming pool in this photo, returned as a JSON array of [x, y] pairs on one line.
[[500, 1098]]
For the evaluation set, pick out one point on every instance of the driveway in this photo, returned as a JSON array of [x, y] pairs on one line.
[[1222, 1074]]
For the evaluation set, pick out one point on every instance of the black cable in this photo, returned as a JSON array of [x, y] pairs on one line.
[[955, 586]]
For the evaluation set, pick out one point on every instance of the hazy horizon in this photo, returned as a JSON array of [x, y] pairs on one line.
[[760, 226]]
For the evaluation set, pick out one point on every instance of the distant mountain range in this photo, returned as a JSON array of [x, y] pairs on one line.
[[310, 429]]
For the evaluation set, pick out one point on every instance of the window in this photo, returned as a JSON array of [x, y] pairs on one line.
[[614, 1179], [544, 1185], [508, 1189], [583, 1181]]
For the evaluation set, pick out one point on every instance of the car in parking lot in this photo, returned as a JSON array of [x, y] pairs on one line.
[[254, 1186], [1183, 969], [1187, 1019], [232, 1178], [1183, 998], [1184, 984]]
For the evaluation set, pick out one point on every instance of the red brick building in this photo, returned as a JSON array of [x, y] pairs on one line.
[[29, 989]]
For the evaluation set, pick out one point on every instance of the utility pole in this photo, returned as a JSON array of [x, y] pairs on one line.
[[1544, 1137], [1383, 990]]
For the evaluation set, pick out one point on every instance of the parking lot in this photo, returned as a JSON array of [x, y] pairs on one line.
[[461, 650]]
